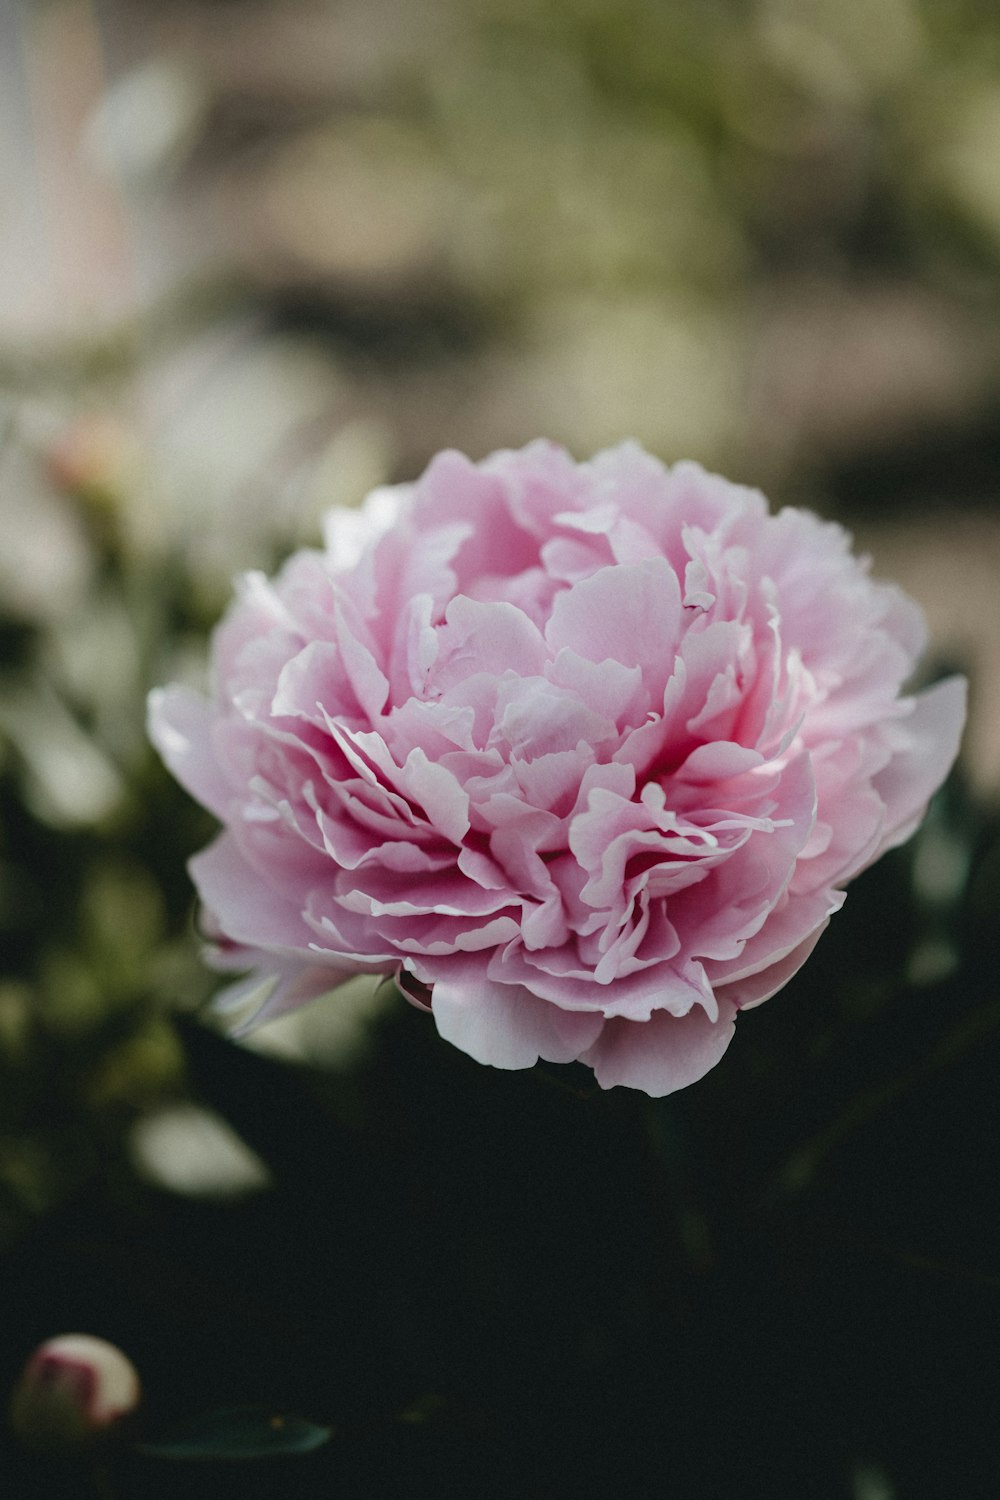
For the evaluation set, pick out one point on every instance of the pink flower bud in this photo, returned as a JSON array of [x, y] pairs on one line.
[[73, 1388]]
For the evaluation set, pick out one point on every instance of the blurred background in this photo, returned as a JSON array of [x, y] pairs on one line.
[[261, 255]]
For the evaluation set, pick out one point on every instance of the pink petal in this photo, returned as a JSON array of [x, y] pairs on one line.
[[755, 988], [926, 746], [799, 919], [505, 1025], [486, 638], [662, 1054], [180, 724], [248, 909], [629, 613]]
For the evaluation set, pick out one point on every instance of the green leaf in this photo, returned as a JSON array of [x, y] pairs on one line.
[[240, 1432]]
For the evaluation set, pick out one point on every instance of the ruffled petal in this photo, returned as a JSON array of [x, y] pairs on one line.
[[505, 1025], [663, 1054], [180, 724]]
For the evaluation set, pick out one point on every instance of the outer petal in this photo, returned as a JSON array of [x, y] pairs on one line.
[[662, 1054], [504, 1024], [922, 761], [180, 724], [247, 908], [794, 922], [754, 989]]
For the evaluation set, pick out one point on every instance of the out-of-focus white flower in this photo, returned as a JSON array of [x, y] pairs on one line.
[[193, 1151], [70, 781], [46, 562], [147, 121]]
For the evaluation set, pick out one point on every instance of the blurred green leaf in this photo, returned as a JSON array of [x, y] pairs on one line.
[[240, 1432]]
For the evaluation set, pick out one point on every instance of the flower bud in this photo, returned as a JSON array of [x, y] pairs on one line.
[[73, 1388]]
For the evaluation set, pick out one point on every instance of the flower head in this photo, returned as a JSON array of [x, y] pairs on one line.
[[584, 754]]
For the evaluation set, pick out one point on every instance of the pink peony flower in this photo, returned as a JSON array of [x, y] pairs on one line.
[[584, 754]]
